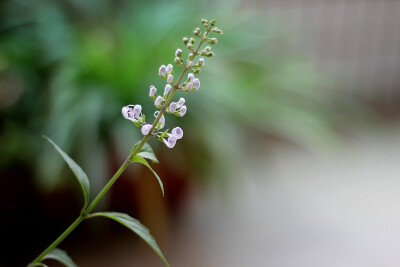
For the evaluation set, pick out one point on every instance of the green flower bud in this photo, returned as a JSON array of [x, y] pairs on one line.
[[197, 32], [196, 71], [212, 22], [207, 48], [212, 41], [185, 40], [210, 54], [192, 40], [216, 30], [204, 22]]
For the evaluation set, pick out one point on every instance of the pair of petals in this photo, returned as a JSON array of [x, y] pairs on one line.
[[132, 112]]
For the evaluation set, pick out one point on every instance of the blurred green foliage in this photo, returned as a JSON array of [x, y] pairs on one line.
[[67, 67]]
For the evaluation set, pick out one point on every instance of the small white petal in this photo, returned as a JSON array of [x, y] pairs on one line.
[[177, 132], [201, 61], [146, 129], [152, 91], [196, 84], [137, 110], [172, 107], [189, 86], [162, 122], [178, 52], [158, 101], [170, 78], [171, 141], [125, 112], [169, 68], [182, 111], [167, 89], [190, 77], [180, 102], [162, 70]]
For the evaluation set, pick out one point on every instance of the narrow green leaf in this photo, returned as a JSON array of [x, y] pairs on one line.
[[140, 159], [135, 226], [37, 264], [79, 173], [147, 152], [60, 256]]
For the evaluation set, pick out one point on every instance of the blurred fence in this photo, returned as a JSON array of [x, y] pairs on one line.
[[356, 42]]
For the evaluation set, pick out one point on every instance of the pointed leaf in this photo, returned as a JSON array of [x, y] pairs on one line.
[[79, 173], [140, 159], [135, 226], [147, 152], [60, 256]]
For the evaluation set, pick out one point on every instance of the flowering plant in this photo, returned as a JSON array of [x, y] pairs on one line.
[[141, 150]]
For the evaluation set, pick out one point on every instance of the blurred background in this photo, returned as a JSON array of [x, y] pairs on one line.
[[291, 147]]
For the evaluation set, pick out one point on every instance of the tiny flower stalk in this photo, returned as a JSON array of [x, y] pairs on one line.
[[142, 150]]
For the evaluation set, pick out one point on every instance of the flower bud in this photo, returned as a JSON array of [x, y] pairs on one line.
[[212, 40], [204, 22], [189, 46], [190, 64], [211, 54], [178, 60], [170, 78], [192, 40], [132, 112], [172, 107], [152, 91], [146, 129], [162, 70], [207, 48], [169, 68], [185, 40], [171, 141], [197, 32], [178, 52], [212, 22], [201, 61], [158, 101], [216, 30], [182, 111], [167, 89], [196, 84], [180, 102], [196, 71], [177, 132]]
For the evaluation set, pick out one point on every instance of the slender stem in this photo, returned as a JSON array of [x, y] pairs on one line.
[[85, 213], [59, 239]]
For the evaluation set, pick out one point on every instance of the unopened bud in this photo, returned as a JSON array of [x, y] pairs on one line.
[[185, 40], [189, 46], [211, 54], [192, 40], [182, 111], [207, 48], [196, 71], [162, 70], [188, 87], [190, 64], [197, 32], [212, 41], [177, 132], [169, 68], [178, 60], [212, 22], [201, 61], [178, 52], [216, 30], [170, 78], [190, 76], [167, 89], [152, 91]]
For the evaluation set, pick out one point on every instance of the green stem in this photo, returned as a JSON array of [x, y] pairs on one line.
[[84, 214]]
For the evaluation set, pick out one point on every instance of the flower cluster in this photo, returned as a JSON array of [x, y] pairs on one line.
[[191, 83]]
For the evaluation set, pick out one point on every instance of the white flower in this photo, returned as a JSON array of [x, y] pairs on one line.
[[196, 84], [190, 77], [152, 91], [177, 132], [146, 129], [172, 107], [182, 111], [167, 89], [171, 141], [158, 101], [162, 70], [169, 68], [190, 64], [170, 78], [132, 112], [180, 102]]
